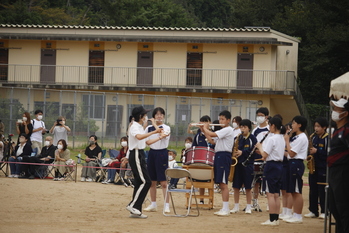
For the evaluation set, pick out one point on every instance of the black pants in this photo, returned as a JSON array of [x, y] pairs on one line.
[[339, 196], [142, 180], [317, 191]]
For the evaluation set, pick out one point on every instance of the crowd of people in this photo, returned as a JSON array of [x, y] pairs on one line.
[[282, 149]]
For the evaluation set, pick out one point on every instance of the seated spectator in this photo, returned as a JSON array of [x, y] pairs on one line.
[[188, 143], [172, 164], [93, 153], [62, 154], [47, 156], [1, 147], [59, 130], [118, 162], [23, 149]]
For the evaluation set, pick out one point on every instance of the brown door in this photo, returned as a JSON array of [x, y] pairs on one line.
[[3, 64], [48, 66], [96, 67], [145, 69], [194, 69], [245, 71]]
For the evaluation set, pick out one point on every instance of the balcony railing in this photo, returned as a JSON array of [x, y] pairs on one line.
[[267, 80]]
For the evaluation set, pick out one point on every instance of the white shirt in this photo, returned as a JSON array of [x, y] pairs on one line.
[[133, 142], [274, 147], [172, 164], [59, 132], [37, 136], [260, 135], [20, 149], [300, 146], [161, 144], [225, 139]]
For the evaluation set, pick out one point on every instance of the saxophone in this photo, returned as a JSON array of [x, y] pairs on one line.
[[310, 158], [235, 160]]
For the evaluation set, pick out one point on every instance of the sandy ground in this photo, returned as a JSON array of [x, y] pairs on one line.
[[65, 206]]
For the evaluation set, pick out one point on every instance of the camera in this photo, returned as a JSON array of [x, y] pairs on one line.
[[20, 121]]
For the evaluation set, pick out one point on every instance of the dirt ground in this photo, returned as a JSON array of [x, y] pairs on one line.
[[64, 206]]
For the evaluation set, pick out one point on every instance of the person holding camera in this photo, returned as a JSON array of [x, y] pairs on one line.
[[60, 130], [24, 125], [38, 130]]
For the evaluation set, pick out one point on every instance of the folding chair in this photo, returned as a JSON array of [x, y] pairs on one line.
[[70, 174], [190, 190], [101, 172]]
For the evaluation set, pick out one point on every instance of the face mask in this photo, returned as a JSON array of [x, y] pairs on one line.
[[47, 143], [21, 139], [145, 119], [39, 117], [170, 157], [187, 145], [63, 122], [260, 119], [335, 116], [123, 144], [92, 142], [24, 119], [235, 125], [60, 146]]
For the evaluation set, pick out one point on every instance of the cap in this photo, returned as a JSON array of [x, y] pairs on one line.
[[339, 103], [140, 110]]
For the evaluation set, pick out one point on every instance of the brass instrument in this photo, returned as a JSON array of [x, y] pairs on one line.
[[235, 160], [310, 158]]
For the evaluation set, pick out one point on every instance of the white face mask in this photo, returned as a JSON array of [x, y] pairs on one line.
[[47, 143], [235, 125], [123, 144], [60, 146], [145, 119], [24, 119], [260, 119], [187, 145], [170, 157], [336, 116], [39, 117], [63, 122]]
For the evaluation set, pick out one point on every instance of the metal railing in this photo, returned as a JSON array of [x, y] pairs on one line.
[[265, 80]]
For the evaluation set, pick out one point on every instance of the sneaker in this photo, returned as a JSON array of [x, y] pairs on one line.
[[31, 177], [151, 208], [104, 182], [202, 202], [222, 212], [83, 179], [294, 220], [15, 176], [89, 180], [55, 179], [138, 216], [167, 210], [285, 217], [133, 210], [322, 216], [248, 211], [234, 210], [310, 215], [268, 223], [11, 176]]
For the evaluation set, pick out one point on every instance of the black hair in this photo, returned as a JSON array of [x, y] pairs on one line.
[[24, 135], [93, 136], [263, 110], [38, 111], [226, 114], [216, 128], [205, 119], [322, 121], [301, 120], [346, 106], [123, 139], [278, 124], [158, 109], [246, 122], [279, 116], [237, 119], [130, 119]]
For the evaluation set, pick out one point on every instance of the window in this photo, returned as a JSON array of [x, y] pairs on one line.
[[94, 105]]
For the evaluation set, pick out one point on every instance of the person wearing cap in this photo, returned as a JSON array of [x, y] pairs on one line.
[[338, 163], [136, 159]]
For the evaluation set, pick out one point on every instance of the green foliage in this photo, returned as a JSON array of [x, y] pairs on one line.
[[6, 108], [316, 110]]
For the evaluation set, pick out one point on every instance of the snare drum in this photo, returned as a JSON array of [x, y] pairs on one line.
[[199, 155], [258, 167]]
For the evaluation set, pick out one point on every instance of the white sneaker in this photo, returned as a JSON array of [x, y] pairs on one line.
[[151, 208], [268, 223], [138, 216], [15, 176], [133, 210], [285, 217], [83, 179], [234, 210], [248, 211], [89, 180], [322, 215], [310, 215], [11, 176], [167, 210], [222, 212], [294, 220]]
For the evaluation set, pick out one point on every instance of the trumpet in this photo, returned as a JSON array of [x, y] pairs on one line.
[[198, 124]]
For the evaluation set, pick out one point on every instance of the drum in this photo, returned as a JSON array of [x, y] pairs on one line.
[[258, 167], [199, 155]]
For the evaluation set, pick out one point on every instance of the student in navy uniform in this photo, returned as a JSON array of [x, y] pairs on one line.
[[136, 159], [272, 152], [243, 176], [319, 152], [338, 163], [297, 149], [224, 142], [157, 161]]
